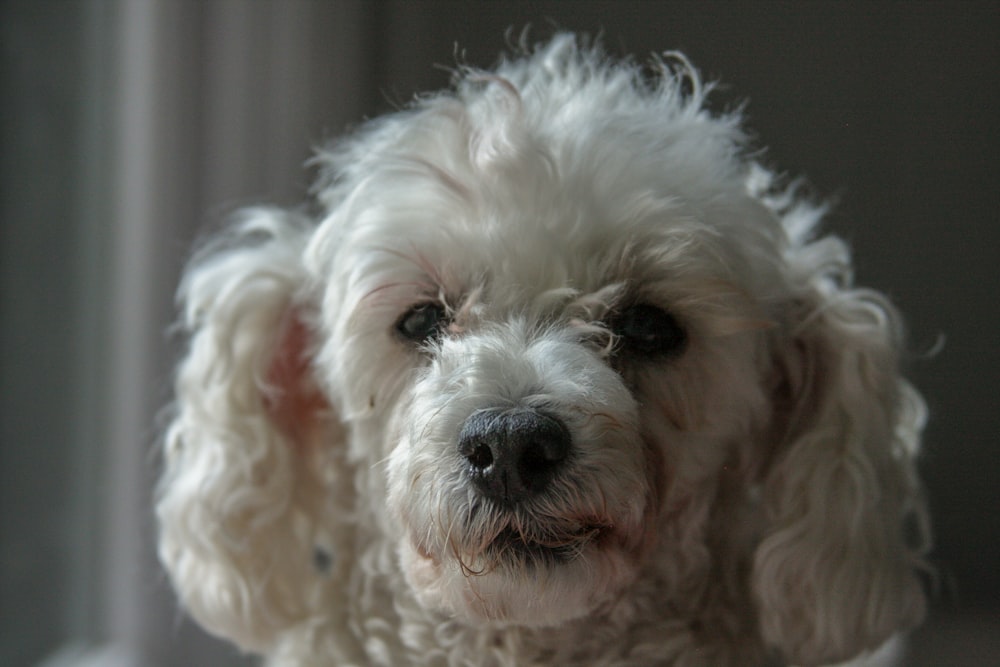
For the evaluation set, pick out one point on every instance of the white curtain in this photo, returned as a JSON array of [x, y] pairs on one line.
[[206, 106]]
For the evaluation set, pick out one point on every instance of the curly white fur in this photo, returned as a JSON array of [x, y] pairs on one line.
[[746, 501]]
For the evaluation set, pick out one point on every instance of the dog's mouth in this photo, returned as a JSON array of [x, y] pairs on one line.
[[527, 567], [559, 547]]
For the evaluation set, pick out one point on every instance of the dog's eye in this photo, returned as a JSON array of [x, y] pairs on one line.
[[649, 331], [422, 322]]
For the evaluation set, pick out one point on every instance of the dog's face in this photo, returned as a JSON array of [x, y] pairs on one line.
[[552, 342], [551, 372]]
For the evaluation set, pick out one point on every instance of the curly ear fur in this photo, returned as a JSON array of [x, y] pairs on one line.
[[236, 502], [834, 574]]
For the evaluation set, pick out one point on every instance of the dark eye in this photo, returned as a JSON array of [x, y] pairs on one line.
[[422, 322], [649, 331]]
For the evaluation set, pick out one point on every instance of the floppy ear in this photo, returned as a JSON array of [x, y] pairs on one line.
[[835, 573], [239, 497]]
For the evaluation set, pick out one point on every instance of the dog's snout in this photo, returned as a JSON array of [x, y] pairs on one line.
[[513, 454]]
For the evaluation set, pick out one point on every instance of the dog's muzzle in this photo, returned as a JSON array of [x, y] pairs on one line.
[[513, 454]]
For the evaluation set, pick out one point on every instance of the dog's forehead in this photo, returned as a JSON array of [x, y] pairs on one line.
[[514, 248], [444, 200], [513, 253]]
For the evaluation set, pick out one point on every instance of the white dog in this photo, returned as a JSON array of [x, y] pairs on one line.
[[557, 377]]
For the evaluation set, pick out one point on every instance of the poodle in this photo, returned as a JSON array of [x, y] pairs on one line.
[[554, 372]]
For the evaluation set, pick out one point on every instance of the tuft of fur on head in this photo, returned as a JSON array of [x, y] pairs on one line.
[[571, 240]]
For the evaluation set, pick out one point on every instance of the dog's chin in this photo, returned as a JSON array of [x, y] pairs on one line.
[[517, 580]]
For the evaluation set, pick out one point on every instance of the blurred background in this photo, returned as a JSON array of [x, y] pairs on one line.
[[128, 128]]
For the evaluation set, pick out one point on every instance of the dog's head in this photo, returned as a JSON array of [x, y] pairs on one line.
[[552, 337]]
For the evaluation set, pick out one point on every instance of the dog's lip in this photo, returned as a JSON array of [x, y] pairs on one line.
[[557, 548]]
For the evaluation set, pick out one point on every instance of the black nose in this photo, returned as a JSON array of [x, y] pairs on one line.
[[513, 454]]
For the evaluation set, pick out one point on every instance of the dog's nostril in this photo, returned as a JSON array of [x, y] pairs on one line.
[[513, 454], [480, 457]]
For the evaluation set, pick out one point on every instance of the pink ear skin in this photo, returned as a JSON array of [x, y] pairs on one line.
[[291, 398]]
